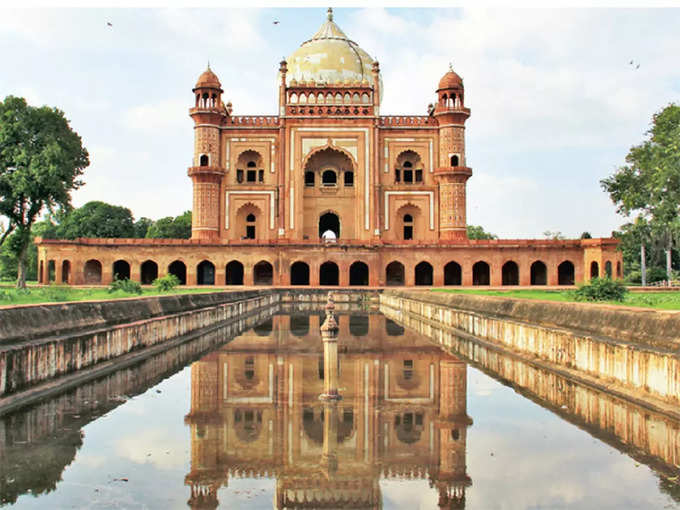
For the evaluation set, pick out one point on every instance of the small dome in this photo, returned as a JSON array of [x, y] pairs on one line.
[[451, 80], [208, 79]]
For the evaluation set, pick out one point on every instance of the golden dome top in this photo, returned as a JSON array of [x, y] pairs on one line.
[[329, 58]]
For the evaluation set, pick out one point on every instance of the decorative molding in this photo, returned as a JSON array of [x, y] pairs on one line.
[[250, 192], [430, 194], [367, 175]]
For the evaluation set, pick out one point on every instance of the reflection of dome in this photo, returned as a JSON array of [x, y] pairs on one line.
[[329, 57], [329, 235]]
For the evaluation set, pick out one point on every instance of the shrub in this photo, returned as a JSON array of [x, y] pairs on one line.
[[126, 285], [601, 289], [166, 283]]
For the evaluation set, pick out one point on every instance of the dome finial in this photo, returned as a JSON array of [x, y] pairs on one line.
[[450, 67], [329, 14]]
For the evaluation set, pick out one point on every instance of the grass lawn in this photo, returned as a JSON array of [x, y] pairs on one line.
[[661, 300], [62, 293]]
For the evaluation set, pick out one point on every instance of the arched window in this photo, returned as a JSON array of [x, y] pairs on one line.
[[594, 269], [338, 98], [453, 274], [409, 168], [423, 274], [293, 98], [66, 271], [179, 269], [329, 221], [329, 273], [355, 98], [618, 269], [299, 273], [565, 273], [349, 179], [480, 273], [608, 269], [249, 367], [329, 178], [309, 179], [394, 273], [319, 98], [205, 273], [263, 273], [347, 98], [149, 272], [365, 99], [52, 271], [299, 325], [510, 273], [303, 99], [454, 160], [358, 274], [121, 270], [234, 273], [205, 161], [408, 172], [250, 226], [408, 227], [92, 271], [539, 273]]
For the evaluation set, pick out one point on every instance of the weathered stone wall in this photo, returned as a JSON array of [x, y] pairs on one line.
[[21, 323], [647, 436], [26, 363], [635, 349]]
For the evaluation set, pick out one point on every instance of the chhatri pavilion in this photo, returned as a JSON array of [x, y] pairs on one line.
[[329, 192]]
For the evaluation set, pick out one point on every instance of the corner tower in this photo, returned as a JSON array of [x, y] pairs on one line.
[[207, 170], [452, 172]]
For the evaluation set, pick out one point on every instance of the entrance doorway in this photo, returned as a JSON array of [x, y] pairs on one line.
[[329, 221]]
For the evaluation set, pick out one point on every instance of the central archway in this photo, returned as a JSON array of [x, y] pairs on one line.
[[329, 273], [329, 221]]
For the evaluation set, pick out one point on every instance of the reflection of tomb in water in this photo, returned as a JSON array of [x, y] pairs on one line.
[[403, 415]]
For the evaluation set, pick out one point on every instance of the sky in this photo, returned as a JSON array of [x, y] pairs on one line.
[[556, 104]]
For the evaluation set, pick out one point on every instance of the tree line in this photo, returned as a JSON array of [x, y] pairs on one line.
[[94, 219]]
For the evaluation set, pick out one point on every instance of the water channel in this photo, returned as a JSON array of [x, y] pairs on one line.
[[242, 426]]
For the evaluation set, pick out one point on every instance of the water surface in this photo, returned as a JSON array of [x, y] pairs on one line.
[[417, 427]]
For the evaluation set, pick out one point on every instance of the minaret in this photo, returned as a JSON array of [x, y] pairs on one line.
[[207, 171], [452, 172]]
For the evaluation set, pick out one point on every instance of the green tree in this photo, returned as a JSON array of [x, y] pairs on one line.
[[478, 232], [648, 185], [97, 219], [41, 158], [178, 227], [142, 226]]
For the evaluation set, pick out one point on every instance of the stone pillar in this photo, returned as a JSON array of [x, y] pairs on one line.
[[107, 273], [329, 458], [329, 337]]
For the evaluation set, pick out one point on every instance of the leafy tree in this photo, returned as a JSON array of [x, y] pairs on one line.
[[97, 219], [478, 232], [142, 227], [178, 227], [648, 185], [41, 158]]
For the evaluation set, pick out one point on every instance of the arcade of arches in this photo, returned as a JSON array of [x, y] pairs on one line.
[[329, 192], [78, 263]]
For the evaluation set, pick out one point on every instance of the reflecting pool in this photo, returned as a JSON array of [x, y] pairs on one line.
[[242, 426]]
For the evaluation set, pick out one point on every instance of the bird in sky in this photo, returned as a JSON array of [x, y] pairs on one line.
[[635, 65], [109, 24], [275, 22]]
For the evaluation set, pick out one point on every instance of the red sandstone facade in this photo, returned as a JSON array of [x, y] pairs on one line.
[[391, 189]]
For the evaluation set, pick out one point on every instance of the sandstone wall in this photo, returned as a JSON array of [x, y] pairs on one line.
[[636, 350]]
